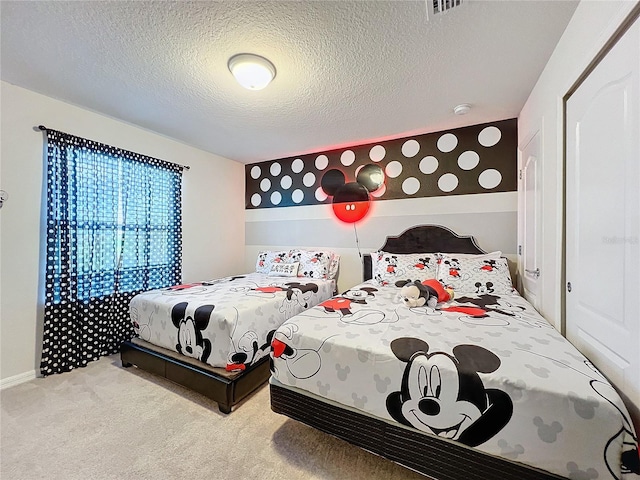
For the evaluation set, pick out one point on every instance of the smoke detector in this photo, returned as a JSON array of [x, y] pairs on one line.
[[462, 109]]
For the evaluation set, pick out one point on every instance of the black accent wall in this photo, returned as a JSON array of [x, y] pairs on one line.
[[468, 160]]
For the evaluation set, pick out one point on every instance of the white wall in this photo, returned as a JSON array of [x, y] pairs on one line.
[[213, 210], [590, 28]]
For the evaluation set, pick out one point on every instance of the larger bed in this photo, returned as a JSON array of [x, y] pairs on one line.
[[480, 387], [214, 337]]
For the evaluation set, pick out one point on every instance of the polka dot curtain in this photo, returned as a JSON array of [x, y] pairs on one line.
[[114, 228], [468, 160]]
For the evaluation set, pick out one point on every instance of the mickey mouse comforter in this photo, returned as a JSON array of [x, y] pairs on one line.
[[225, 323], [485, 370]]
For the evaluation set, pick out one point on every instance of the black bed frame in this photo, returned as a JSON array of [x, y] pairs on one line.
[[225, 388], [433, 456]]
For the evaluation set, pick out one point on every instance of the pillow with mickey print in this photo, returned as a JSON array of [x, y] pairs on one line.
[[391, 267], [284, 269], [267, 258], [475, 274], [313, 263]]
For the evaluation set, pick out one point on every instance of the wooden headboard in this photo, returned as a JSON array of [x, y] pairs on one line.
[[424, 239]]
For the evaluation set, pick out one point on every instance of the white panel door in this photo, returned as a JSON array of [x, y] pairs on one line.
[[602, 216], [531, 188]]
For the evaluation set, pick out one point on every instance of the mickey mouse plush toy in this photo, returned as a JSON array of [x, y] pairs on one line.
[[427, 292]]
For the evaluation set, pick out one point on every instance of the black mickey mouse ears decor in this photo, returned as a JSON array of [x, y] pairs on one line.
[[351, 200], [370, 177]]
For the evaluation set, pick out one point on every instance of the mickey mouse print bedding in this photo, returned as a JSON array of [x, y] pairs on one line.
[[485, 370], [228, 322]]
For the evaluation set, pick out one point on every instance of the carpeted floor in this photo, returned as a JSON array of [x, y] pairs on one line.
[[106, 422]]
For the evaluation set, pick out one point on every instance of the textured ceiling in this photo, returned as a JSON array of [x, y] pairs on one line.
[[348, 71]]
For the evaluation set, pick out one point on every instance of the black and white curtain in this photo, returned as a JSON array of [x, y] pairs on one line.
[[114, 228]]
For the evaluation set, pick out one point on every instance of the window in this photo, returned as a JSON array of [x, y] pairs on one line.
[[113, 230]]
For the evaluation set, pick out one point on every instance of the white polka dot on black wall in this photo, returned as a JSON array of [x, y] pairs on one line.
[[309, 179], [276, 198], [411, 185], [448, 182], [347, 158], [255, 172], [265, 184], [490, 178], [410, 148], [377, 153], [275, 169], [489, 136], [379, 192], [256, 199], [286, 182], [468, 160], [320, 195], [321, 162], [393, 169], [297, 196], [428, 165], [296, 166], [447, 142]]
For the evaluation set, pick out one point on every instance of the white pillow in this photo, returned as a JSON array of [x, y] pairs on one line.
[[333, 267], [268, 257], [284, 269], [313, 263], [391, 267], [475, 275]]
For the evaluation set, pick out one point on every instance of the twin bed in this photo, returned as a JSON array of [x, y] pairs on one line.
[[479, 387]]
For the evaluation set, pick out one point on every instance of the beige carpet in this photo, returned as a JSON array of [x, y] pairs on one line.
[[106, 422]]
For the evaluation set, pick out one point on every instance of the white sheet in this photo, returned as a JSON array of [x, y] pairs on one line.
[[226, 322]]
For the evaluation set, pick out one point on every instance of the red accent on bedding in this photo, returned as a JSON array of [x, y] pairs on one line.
[[278, 347], [471, 311], [235, 367]]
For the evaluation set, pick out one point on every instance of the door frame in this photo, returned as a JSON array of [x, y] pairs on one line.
[[522, 161]]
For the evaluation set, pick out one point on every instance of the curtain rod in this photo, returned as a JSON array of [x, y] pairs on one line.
[[185, 167]]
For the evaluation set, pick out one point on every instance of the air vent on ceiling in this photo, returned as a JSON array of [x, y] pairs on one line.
[[435, 7]]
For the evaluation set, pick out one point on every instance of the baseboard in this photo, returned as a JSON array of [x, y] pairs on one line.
[[17, 379]]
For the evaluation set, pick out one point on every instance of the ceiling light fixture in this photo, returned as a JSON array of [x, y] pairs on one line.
[[252, 71], [462, 109]]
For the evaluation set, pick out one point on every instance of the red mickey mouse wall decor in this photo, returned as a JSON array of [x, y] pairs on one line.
[[351, 201]]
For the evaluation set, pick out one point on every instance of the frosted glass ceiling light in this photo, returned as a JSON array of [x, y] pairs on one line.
[[252, 71]]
